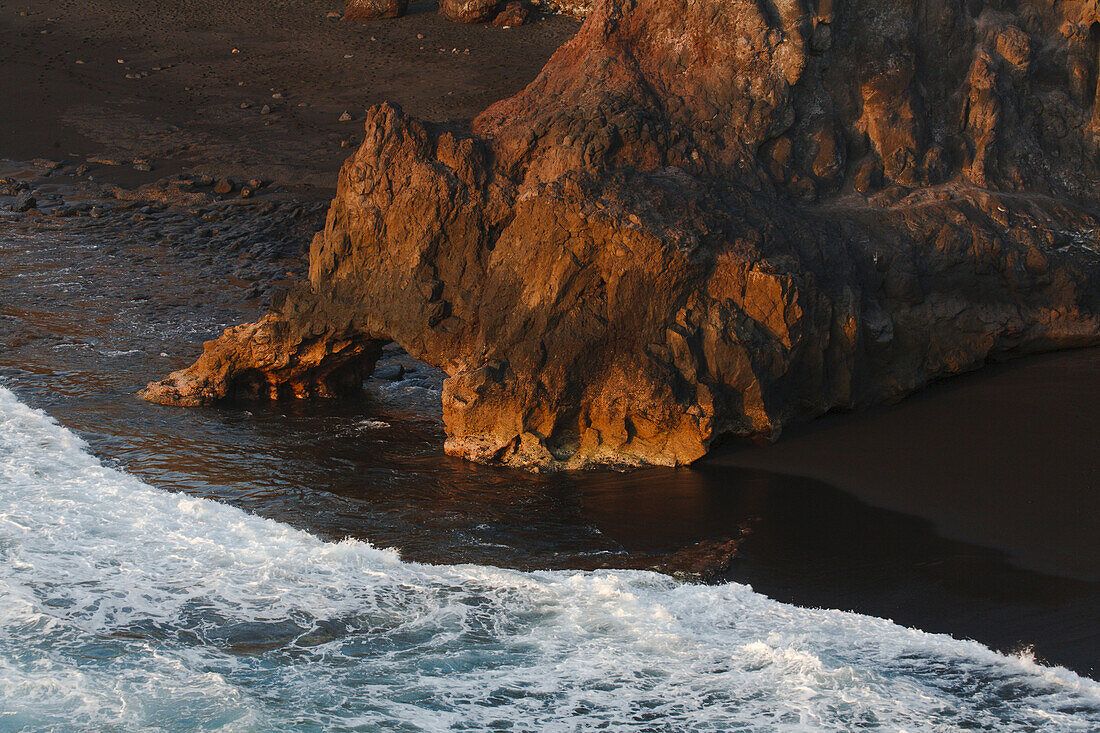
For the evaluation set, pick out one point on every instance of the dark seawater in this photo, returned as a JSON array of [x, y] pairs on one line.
[[91, 310]]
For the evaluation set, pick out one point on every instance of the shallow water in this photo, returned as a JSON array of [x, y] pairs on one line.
[[92, 310]]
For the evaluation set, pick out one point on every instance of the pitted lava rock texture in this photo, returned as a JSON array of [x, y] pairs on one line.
[[710, 218], [468, 11], [511, 15], [373, 9], [575, 8]]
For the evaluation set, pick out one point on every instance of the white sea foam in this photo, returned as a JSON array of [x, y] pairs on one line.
[[123, 607], [368, 424]]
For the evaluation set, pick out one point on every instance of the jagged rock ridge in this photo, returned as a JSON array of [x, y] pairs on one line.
[[709, 218]]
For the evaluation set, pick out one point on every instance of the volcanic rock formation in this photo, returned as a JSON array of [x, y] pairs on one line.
[[709, 218]]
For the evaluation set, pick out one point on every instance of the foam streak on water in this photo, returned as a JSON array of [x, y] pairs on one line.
[[123, 607]]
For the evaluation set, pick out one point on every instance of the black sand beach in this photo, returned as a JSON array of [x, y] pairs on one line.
[[970, 508]]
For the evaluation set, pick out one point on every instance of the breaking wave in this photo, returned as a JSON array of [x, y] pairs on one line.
[[124, 607]]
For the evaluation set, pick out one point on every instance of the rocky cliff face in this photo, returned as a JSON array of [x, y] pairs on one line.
[[710, 218]]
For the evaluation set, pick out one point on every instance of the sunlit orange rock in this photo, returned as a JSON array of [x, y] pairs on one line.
[[707, 219]]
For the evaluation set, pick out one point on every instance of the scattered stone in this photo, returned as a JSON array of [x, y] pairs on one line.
[[224, 186], [265, 110], [142, 165], [276, 95], [467, 11], [12, 187], [346, 117], [514, 13], [246, 192], [49, 165], [374, 9], [26, 203], [704, 561], [245, 105], [255, 183]]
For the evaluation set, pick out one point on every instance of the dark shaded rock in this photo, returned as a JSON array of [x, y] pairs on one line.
[[702, 561], [12, 186], [26, 203], [373, 9], [224, 186], [642, 252]]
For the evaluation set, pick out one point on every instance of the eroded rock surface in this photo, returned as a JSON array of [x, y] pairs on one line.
[[468, 11], [374, 9], [709, 218], [575, 8]]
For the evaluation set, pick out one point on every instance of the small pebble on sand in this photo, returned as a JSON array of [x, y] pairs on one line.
[[265, 110], [345, 117]]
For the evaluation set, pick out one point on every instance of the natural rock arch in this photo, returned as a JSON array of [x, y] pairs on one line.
[[616, 269]]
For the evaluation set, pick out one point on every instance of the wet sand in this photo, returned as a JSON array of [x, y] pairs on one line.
[[1007, 457]]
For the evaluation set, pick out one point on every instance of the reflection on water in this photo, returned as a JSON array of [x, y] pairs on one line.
[[86, 322]]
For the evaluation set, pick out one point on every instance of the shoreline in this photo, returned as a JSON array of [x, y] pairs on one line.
[[814, 542], [1003, 457], [986, 487]]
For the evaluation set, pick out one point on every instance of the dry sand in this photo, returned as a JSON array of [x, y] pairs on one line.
[[67, 96]]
